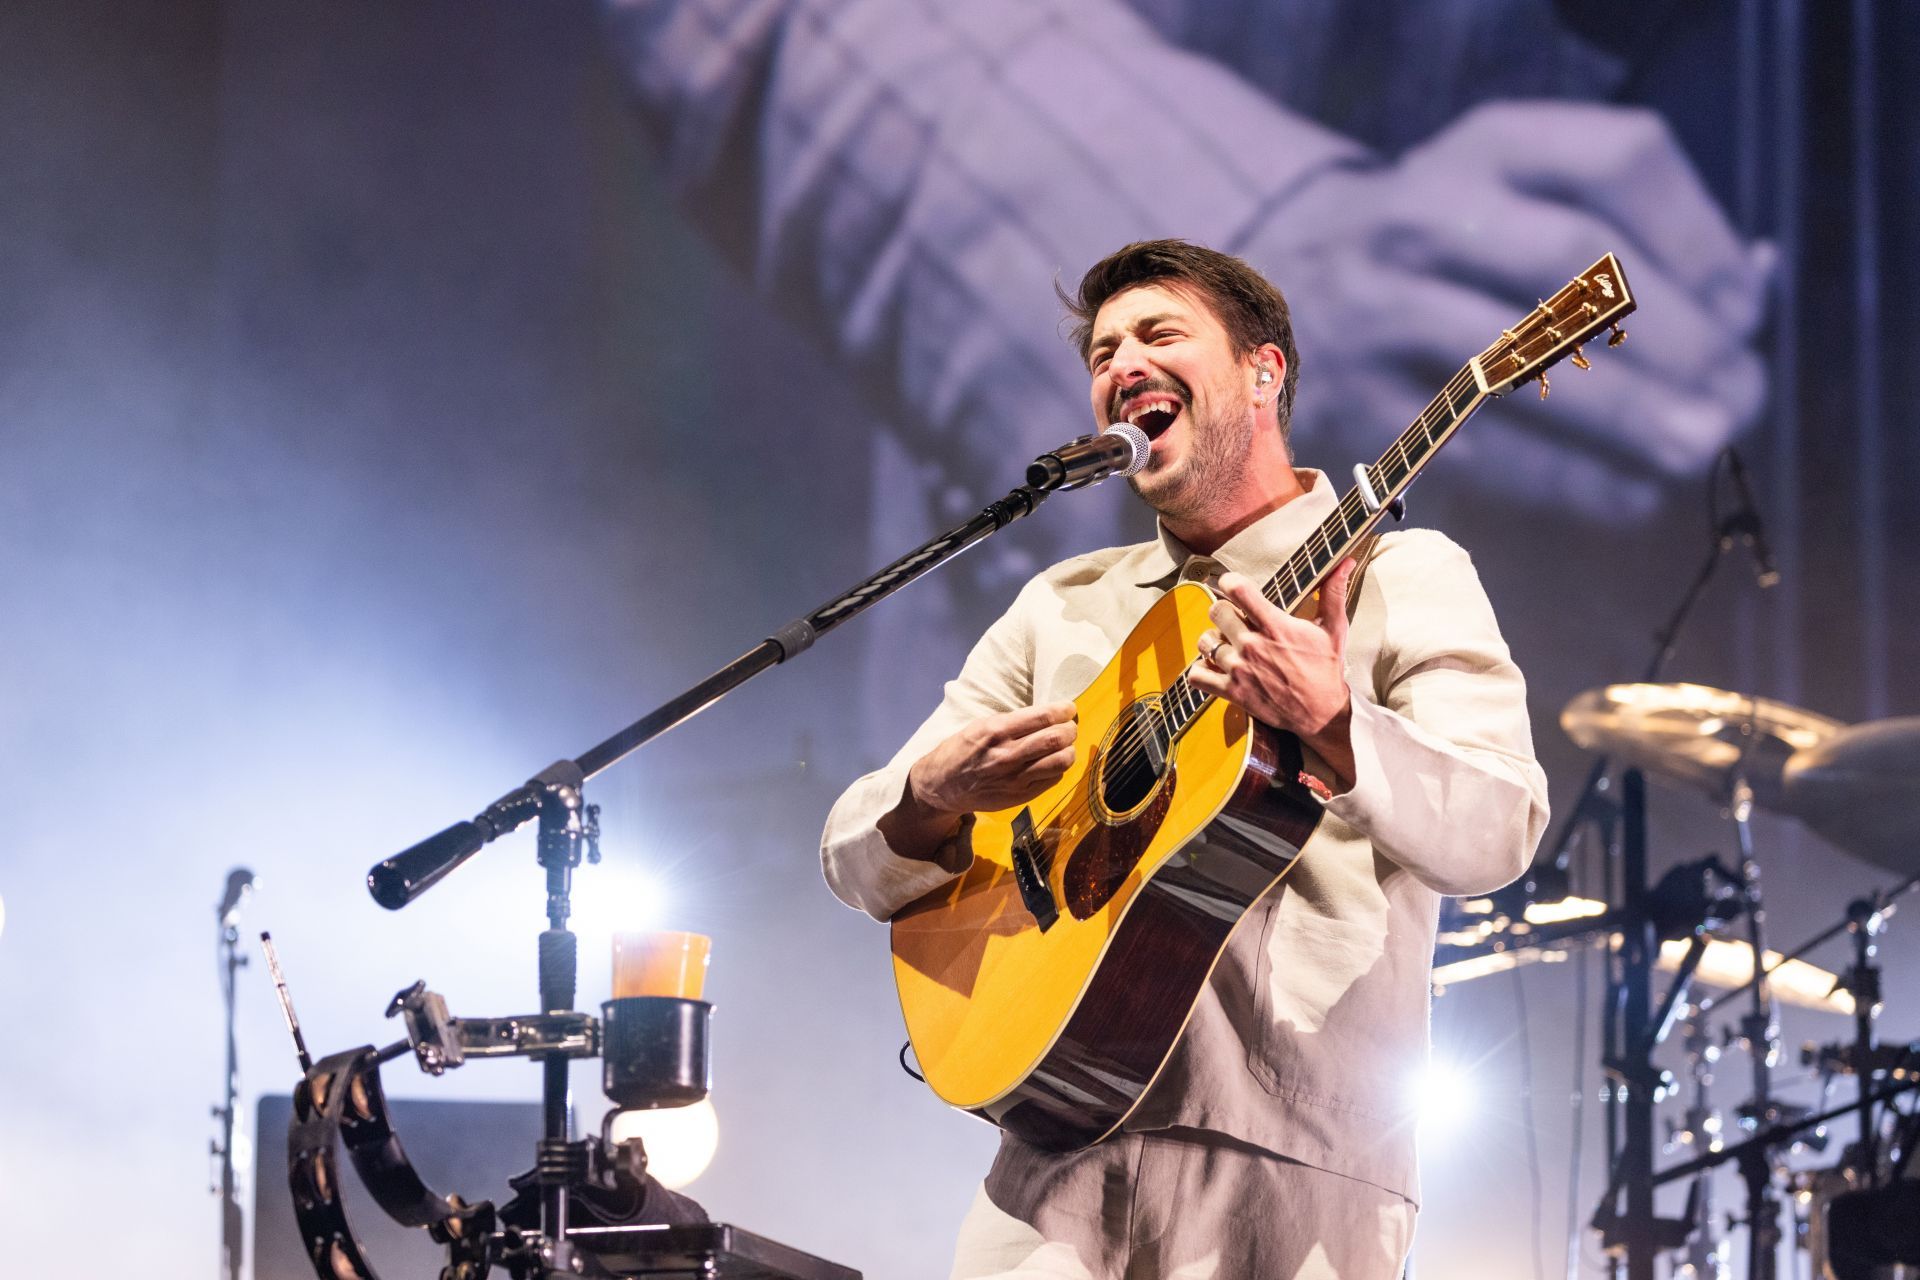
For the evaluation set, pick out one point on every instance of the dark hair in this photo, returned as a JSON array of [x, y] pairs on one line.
[[1248, 305]]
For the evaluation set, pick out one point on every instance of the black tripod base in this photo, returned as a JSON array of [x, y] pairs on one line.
[[712, 1249]]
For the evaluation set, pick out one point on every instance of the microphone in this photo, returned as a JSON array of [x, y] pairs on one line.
[[239, 880], [1121, 449], [1746, 523]]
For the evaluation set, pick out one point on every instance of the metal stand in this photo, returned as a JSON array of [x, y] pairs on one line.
[[1760, 1029], [232, 1216], [1862, 982], [1705, 1257], [1634, 1234], [569, 831]]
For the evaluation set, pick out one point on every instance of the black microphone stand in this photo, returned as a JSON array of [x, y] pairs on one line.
[[232, 1218], [568, 826]]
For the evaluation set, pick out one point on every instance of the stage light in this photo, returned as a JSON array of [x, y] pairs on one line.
[[614, 898], [680, 1141], [1441, 1097], [1563, 909]]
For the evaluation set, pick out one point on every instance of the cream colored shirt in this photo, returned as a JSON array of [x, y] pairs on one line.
[[1313, 1029]]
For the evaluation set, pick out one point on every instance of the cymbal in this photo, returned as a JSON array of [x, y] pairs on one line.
[[1860, 788], [1697, 735]]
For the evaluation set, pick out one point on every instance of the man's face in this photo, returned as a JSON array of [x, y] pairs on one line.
[[1161, 360]]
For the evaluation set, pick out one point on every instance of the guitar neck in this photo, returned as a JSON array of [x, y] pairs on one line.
[[1352, 518]]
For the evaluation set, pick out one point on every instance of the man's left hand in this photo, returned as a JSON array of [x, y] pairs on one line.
[[1281, 670]]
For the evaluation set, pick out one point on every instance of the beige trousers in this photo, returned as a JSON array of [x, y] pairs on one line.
[[1158, 1206]]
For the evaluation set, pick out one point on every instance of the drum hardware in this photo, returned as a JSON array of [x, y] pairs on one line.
[[1888, 1061], [1846, 783], [1777, 1127], [1874, 1233], [1703, 1257], [1778, 1136]]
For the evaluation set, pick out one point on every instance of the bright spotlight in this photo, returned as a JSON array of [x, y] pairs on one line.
[[680, 1141], [613, 898], [1441, 1097]]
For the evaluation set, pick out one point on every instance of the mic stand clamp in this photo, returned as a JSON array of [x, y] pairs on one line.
[[441, 1042]]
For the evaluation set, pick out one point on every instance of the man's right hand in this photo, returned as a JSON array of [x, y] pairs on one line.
[[996, 762]]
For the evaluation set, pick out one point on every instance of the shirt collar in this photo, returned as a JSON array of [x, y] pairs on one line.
[[1258, 550]]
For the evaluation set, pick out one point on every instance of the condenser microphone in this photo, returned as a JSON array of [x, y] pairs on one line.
[[1121, 449], [1745, 523]]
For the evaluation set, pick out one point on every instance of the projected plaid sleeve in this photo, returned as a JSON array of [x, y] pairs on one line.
[[903, 176]]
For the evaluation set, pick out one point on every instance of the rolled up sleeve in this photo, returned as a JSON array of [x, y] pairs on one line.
[[861, 868]]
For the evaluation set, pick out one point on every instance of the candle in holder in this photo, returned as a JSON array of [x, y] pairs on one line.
[[660, 963]]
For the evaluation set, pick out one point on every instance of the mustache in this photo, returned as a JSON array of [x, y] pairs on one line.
[[1164, 386]]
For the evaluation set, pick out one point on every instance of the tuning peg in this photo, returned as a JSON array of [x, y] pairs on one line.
[[1545, 386], [1616, 336], [1579, 360]]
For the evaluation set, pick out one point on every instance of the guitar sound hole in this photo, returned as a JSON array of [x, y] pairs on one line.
[[1135, 759]]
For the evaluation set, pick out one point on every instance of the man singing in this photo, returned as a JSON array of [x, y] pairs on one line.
[[1276, 1142]]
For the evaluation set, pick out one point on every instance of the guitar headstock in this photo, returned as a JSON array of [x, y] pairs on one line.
[[1595, 299]]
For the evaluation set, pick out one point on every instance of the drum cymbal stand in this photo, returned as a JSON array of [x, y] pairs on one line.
[[1866, 917], [1760, 1031]]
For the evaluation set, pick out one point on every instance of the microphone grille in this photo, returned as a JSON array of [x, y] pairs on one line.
[[1141, 447]]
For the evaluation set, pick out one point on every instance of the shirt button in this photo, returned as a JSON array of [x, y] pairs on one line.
[[1200, 569]]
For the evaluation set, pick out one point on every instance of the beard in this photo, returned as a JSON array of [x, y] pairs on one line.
[[1216, 452]]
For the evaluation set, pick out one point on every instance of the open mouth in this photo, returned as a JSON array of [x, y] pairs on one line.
[[1153, 413]]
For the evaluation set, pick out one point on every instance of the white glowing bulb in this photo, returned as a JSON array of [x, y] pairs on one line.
[[680, 1141], [1441, 1097]]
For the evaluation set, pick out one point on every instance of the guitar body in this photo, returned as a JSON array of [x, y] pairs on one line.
[[1046, 987]]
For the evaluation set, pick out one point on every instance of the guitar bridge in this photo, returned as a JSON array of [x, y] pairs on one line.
[[1029, 860]]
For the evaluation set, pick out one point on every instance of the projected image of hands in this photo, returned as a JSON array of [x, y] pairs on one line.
[[909, 178], [1399, 267]]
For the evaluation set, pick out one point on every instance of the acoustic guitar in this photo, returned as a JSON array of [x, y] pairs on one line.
[[1045, 988]]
